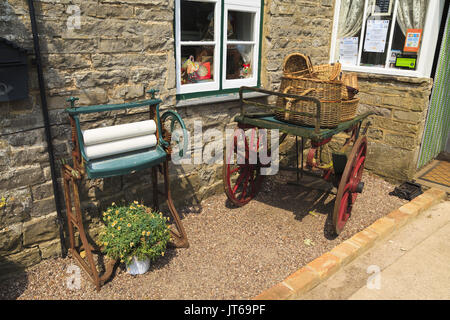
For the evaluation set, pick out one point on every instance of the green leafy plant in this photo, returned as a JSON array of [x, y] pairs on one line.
[[133, 230]]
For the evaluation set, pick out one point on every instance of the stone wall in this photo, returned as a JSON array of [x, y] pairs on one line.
[[122, 48], [395, 134]]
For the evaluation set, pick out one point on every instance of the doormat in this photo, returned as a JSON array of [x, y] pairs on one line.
[[439, 174]]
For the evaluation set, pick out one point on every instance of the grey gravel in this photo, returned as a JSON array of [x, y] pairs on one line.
[[235, 253]]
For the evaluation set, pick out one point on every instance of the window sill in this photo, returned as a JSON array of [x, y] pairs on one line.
[[217, 99], [383, 71]]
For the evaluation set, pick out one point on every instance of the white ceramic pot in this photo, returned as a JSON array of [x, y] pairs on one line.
[[138, 267]]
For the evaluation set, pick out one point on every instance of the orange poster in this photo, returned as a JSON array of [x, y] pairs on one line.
[[412, 41]]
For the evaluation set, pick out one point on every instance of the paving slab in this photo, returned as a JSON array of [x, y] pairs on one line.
[[412, 263]]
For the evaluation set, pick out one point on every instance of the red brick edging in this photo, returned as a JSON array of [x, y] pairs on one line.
[[327, 264]]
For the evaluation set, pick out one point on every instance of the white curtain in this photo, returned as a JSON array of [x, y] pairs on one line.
[[411, 14], [350, 18]]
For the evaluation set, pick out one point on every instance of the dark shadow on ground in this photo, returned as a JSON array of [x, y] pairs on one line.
[[13, 279], [298, 199]]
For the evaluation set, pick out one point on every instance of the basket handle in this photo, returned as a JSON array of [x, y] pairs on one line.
[[291, 101]]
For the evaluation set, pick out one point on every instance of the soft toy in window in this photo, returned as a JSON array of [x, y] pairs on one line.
[[245, 70], [189, 69]]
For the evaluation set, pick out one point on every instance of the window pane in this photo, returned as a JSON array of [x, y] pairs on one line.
[[408, 33], [349, 31], [197, 20], [239, 61], [240, 26], [197, 64]]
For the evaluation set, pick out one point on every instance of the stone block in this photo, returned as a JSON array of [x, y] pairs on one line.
[[389, 161], [325, 265], [17, 207], [40, 229], [43, 207], [301, 281], [364, 239], [50, 249], [42, 191], [278, 292], [400, 218], [14, 264], [401, 141], [382, 227], [346, 252], [11, 239]]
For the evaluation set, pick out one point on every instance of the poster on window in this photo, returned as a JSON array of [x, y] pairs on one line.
[[412, 41], [348, 51], [376, 35]]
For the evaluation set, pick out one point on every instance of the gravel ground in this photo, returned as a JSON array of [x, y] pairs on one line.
[[235, 253]]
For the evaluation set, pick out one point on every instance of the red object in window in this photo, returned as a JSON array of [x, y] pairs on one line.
[[204, 72], [412, 41]]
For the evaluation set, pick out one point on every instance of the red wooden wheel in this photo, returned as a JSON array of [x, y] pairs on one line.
[[350, 184], [241, 169]]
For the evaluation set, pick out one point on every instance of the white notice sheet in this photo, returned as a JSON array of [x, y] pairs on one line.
[[348, 51], [376, 35]]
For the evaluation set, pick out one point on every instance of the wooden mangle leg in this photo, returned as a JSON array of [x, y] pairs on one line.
[[71, 178], [75, 221], [179, 236]]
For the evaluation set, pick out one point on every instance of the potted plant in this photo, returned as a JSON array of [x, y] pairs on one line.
[[134, 234]]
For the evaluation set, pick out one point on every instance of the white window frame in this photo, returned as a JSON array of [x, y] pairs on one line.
[[253, 6], [428, 47], [256, 10], [198, 87]]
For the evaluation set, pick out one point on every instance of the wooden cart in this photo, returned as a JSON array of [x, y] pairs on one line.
[[242, 179]]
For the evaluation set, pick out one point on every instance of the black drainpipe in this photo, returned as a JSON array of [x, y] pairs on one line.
[[48, 135]]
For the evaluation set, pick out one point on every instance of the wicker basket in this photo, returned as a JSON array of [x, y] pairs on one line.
[[327, 71], [350, 80], [348, 109], [324, 89], [297, 65], [330, 112]]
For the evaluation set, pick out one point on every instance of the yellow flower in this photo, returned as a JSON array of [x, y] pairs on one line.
[[148, 233], [118, 228], [117, 211], [121, 219], [162, 253], [114, 223], [129, 225], [113, 204], [105, 243], [135, 202], [143, 233], [131, 244], [109, 217]]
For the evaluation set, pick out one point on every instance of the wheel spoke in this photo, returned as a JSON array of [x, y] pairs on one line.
[[244, 188], [238, 182], [242, 180]]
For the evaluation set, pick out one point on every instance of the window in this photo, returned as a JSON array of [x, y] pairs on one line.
[[386, 36], [217, 45]]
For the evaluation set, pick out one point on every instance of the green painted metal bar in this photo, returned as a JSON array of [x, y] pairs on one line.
[[269, 122], [438, 119], [112, 107]]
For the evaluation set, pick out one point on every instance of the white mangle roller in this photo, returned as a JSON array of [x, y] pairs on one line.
[[108, 141]]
